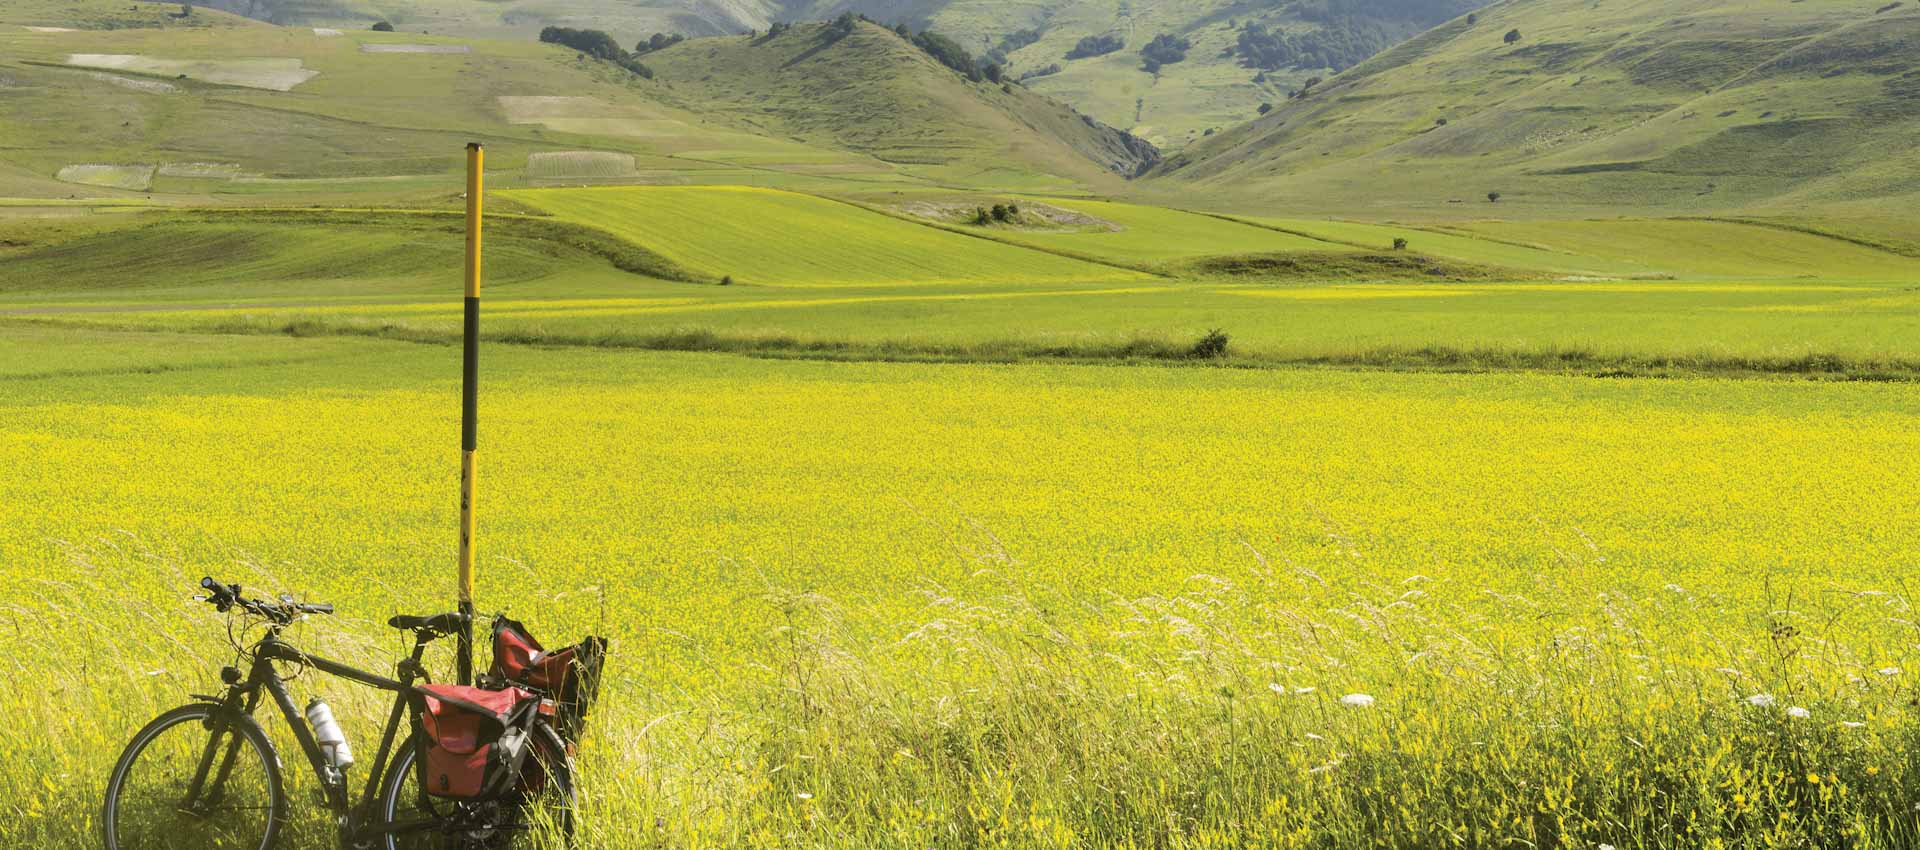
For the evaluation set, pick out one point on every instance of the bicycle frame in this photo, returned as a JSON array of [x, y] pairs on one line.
[[243, 697]]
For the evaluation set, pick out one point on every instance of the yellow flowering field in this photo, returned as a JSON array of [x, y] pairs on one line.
[[919, 605]]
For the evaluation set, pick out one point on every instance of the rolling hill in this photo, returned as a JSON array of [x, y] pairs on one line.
[[1216, 84], [1571, 106], [868, 90], [102, 100]]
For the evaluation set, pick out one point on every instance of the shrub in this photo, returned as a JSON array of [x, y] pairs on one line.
[[659, 41], [1266, 108], [1399, 243], [1493, 197], [1096, 45], [945, 51], [1164, 50], [981, 216], [726, 280], [1000, 213], [595, 43], [1213, 345], [382, 26], [993, 73], [1048, 71], [1513, 35]]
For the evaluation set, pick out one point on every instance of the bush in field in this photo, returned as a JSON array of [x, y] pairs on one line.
[[1513, 36], [382, 26], [1399, 243], [659, 41], [1164, 50], [1096, 45], [1214, 344], [1493, 197], [596, 44]]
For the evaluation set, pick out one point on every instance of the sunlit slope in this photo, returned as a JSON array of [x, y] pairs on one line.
[[1136, 233], [765, 236], [1654, 104], [219, 105], [298, 256], [1685, 248], [870, 91]]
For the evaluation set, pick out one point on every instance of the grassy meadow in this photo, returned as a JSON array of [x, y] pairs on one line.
[[1149, 517], [848, 610]]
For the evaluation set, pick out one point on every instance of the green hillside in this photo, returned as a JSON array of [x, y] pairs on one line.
[[764, 236], [1563, 105], [869, 90], [99, 100], [1215, 86]]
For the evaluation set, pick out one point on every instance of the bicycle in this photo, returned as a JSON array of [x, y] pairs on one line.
[[205, 775]]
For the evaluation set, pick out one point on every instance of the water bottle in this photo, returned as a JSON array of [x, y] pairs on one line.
[[333, 744]]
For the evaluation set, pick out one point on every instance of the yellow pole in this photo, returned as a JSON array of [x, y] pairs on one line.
[[469, 390]]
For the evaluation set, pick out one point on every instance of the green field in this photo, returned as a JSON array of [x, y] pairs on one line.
[[941, 487], [839, 590]]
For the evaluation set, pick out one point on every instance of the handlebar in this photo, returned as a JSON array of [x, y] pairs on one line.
[[226, 597]]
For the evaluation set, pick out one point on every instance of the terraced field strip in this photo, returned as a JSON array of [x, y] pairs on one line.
[[273, 74], [768, 236], [1695, 248], [1148, 234], [1457, 245]]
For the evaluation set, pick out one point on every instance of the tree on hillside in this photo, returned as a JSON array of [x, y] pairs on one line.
[[945, 51], [1096, 45], [1493, 197], [596, 44], [1266, 108], [1163, 50], [842, 26], [993, 72], [659, 41], [1513, 35], [382, 26]]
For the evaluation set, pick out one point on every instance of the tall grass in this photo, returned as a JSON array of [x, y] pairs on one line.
[[1269, 706]]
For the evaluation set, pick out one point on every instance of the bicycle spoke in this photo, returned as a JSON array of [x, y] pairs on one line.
[[187, 787]]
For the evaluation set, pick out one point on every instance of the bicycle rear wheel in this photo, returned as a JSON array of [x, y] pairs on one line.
[[193, 779], [540, 815]]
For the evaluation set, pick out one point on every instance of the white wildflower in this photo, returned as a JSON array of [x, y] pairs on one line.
[[1357, 700], [1304, 690], [1761, 700], [1277, 688], [1852, 724], [1888, 671], [1609, 846], [804, 795], [1798, 713]]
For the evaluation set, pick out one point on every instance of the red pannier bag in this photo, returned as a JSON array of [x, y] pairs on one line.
[[477, 739], [570, 675]]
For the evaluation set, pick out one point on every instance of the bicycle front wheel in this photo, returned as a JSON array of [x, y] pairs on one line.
[[194, 779]]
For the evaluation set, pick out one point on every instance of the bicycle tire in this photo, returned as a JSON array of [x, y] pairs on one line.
[[175, 827], [550, 749]]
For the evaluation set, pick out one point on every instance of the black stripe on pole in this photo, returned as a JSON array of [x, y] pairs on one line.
[[470, 377]]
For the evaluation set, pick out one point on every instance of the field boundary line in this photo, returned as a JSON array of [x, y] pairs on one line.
[[1071, 255], [1134, 351]]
